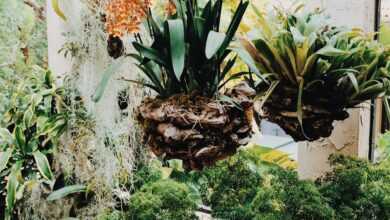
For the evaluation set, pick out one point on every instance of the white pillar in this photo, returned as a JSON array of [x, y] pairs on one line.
[[350, 137], [56, 27], [111, 147]]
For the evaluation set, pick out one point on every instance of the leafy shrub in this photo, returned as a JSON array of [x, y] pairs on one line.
[[235, 186], [357, 189], [164, 199], [287, 197], [29, 132], [115, 215], [146, 173]]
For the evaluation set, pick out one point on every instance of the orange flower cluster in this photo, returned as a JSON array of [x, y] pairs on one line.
[[125, 16]]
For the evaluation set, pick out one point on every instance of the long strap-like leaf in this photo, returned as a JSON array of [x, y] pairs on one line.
[[177, 46], [57, 9]]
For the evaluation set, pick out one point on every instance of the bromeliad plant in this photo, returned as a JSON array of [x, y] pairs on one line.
[[316, 72], [187, 64], [29, 132], [188, 51]]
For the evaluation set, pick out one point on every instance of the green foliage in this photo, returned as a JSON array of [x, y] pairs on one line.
[[23, 44], [65, 191], [115, 215], [188, 50], [287, 197], [164, 199], [307, 55], [384, 147], [246, 187], [234, 188], [30, 130], [145, 174], [357, 189]]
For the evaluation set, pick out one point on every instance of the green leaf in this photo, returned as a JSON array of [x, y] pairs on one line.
[[57, 9], [6, 137], [177, 45], [299, 106], [20, 139], [28, 117], [107, 74], [234, 24], [43, 165], [331, 52], [63, 192], [12, 186], [37, 98], [214, 43], [4, 158], [247, 58], [150, 53], [354, 81]]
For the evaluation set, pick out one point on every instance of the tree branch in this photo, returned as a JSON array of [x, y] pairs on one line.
[[40, 11]]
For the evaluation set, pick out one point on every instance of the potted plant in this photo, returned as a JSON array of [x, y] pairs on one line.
[[311, 73], [187, 65]]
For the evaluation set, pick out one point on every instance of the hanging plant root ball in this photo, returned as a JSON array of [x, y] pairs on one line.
[[115, 47], [320, 111], [197, 129]]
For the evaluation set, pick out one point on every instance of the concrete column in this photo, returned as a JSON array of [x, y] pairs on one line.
[[350, 137], [56, 27]]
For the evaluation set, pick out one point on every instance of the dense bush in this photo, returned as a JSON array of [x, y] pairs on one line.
[[287, 197], [243, 187], [164, 199], [234, 187], [357, 189]]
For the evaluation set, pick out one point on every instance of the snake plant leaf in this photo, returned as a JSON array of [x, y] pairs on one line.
[[4, 158], [177, 46], [65, 191], [56, 7], [107, 74], [43, 165], [214, 43], [6, 136]]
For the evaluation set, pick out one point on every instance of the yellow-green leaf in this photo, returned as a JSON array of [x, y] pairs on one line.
[[57, 9], [4, 158], [43, 165]]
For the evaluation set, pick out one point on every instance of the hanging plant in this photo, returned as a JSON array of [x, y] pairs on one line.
[[187, 65], [317, 72], [123, 17]]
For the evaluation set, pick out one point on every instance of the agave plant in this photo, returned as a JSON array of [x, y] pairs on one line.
[[310, 72], [187, 64], [29, 132]]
